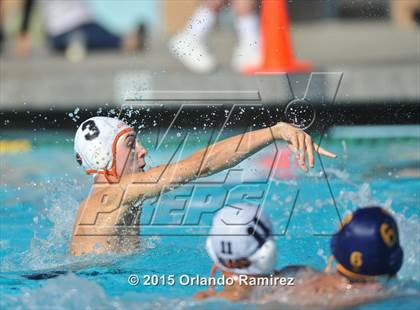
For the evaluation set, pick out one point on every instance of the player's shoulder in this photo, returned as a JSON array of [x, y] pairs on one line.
[[149, 177], [103, 194]]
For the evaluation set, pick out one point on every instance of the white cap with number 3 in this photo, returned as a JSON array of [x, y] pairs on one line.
[[95, 143]]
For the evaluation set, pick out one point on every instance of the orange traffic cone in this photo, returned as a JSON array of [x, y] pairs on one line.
[[276, 47]]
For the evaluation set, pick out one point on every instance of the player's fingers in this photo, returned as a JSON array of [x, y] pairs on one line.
[[323, 151], [301, 153], [293, 144], [310, 150]]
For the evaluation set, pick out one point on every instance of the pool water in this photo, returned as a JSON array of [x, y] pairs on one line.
[[41, 189]]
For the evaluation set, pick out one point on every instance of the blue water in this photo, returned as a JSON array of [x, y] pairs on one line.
[[41, 190]]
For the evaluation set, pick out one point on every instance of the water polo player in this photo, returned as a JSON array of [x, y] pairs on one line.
[[107, 148], [240, 243], [367, 245], [365, 248], [367, 252]]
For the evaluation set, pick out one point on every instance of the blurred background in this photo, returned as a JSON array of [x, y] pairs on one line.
[[63, 61], [57, 56]]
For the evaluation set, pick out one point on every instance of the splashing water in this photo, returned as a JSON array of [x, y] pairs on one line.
[[41, 224]]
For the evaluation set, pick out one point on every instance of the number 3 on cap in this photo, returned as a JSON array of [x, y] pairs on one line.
[[388, 234], [93, 130]]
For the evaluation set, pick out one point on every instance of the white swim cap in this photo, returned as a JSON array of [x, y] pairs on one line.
[[96, 141], [241, 241]]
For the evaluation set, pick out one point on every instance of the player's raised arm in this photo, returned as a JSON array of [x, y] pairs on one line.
[[222, 155]]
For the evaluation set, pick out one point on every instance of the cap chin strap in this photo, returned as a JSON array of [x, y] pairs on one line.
[[345, 272], [113, 171], [352, 275]]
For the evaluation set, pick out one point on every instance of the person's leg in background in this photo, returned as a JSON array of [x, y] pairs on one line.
[[95, 37], [98, 37], [190, 45], [247, 52], [85, 37]]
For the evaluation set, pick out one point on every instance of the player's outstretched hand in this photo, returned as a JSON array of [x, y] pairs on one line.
[[300, 143]]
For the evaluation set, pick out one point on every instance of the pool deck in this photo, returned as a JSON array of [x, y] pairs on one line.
[[367, 63]]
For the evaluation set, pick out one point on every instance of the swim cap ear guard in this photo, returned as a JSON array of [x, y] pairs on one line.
[[79, 159], [368, 245], [96, 142], [264, 259]]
